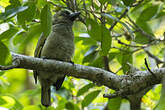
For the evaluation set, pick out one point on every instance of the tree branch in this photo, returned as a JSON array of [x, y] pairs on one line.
[[158, 61], [128, 84], [121, 16]]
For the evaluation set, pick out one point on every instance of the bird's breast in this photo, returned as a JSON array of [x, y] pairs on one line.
[[59, 45]]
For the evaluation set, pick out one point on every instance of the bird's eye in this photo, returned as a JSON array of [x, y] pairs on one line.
[[67, 12]]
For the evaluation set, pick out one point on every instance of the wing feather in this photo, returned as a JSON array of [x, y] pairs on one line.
[[37, 53]]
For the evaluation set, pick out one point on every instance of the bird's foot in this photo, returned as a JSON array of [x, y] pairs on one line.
[[44, 57], [71, 62]]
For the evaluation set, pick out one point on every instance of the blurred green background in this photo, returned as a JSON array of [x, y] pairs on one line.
[[21, 25]]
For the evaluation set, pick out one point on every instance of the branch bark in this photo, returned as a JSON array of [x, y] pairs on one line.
[[126, 84]]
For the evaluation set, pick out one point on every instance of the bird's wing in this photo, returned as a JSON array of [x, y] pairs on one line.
[[37, 52], [40, 45], [59, 82]]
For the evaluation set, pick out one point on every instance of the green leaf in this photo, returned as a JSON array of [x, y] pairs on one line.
[[113, 2], [5, 57], [12, 12], [110, 17], [8, 34], [129, 30], [69, 106], [1, 73], [106, 41], [61, 104], [102, 1], [90, 55], [4, 3], [89, 98], [32, 93], [79, 28], [149, 13], [46, 20], [133, 12], [2, 101], [161, 15], [125, 57], [112, 55], [27, 15], [31, 107], [15, 3], [33, 32], [41, 3], [124, 24], [91, 50], [19, 38], [144, 26], [12, 102], [128, 2], [98, 62], [140, 38], [94, 29], [114, 104], [161, 104], [145, 16], [17, 105], [49, 108], [86, 40], [84, 89]]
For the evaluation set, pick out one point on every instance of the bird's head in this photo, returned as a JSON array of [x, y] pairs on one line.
[[65, 16]]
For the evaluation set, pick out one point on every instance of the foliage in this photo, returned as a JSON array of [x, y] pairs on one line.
[[110, 34]]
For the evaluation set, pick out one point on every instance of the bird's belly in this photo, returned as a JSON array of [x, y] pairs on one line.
[[50, 77], [58, 50], [58, 47]]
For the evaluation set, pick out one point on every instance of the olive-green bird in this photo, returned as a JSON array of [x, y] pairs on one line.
[[58, 45]]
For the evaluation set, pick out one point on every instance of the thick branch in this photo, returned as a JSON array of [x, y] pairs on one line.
[[128, 84]]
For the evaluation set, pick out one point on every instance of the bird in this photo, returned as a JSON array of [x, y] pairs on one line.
[[59, 45]]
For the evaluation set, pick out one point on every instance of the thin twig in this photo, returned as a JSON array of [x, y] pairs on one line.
[[121, 16], [138, 29], [63, 1], [118, 70], [56, 5], [149, 68], [158, 61], [110, 96], [119, 93], [105, 58], [76, 5], [135, 46], [7, 67], [15, 64], [106, 63], [85, 9], [139, 2]]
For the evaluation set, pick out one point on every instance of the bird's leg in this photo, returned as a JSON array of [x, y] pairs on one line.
[[71, 62], [44, 57]]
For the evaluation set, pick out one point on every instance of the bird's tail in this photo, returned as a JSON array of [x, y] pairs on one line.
[[45, 95]]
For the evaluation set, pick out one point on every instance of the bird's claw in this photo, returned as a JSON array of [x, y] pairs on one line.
[[71, 62], [43, 57]]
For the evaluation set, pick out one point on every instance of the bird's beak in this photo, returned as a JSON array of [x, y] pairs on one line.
[[73, 16]]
